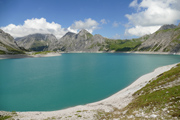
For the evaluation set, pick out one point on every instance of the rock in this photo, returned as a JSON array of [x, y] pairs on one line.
[[166, 39], [165, 27], [8, 44], [37, 42], [83, 41]]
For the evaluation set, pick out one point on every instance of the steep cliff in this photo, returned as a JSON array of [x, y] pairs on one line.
[[8, 45]]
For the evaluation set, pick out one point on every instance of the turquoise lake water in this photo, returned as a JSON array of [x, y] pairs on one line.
[[53, 83]]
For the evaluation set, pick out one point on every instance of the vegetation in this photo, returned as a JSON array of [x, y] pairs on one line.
[[89, 35], [157, 95], [79, 116], [2, 52], [122, 45], [2, 117], [41, 52], [163, 31]]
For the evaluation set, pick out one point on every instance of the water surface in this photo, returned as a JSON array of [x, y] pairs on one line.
[[53, 83]]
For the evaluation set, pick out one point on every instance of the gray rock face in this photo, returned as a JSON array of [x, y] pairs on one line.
[[83, 41], [166, 39], [7, 43], [36, 42]]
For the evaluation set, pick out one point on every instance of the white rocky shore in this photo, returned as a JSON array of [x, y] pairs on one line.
[[29, 55], [89, 111]]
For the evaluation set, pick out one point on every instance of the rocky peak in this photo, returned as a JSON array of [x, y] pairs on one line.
[[69, 34], [83, 32], [167, 26]]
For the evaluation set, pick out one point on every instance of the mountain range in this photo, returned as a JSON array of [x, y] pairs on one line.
[[166, 39]]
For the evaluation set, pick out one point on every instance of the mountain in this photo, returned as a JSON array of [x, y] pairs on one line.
[[165, 27], [83, 41], [8, 44], [166, 39], [36, 42]]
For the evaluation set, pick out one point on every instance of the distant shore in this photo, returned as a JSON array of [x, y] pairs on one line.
[[51, 54], [118, 100], [29, 56], [136, 52]]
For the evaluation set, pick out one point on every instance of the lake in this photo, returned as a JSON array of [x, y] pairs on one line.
[[54, 83]]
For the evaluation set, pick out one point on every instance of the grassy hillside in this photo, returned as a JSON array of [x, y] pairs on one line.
[[159, 99], [122, 45]]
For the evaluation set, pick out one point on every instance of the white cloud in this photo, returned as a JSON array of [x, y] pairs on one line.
[[116, 36], [88, 24], [140, 30], [103, 21], [152, 14], [116, 24], [36, 25], [134, 3]]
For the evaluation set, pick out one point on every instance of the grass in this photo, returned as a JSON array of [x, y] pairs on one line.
[[2, 52], [164, 78], [153, 95], [163, 31], [79, 116], [122, 45], [89, 35], [5, 117], [42, 52]]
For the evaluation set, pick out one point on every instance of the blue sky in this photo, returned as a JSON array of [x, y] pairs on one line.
[[110, 18]]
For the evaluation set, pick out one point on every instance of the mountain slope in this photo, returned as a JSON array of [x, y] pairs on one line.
[[36, 42], [83, 41], [166, 39], [8, 45]]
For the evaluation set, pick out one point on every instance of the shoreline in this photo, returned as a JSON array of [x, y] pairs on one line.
[[118, 100], [59, 54], [133, 52], [29, 56]]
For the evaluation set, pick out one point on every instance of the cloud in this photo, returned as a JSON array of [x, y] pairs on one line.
[[134, 3], [36, 25], [152, 14], [116, 36], [140, 30], [103, 21], [88, 24], [116, 24]]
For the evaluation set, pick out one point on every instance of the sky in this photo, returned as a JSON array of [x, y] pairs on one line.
[[117, 19]]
